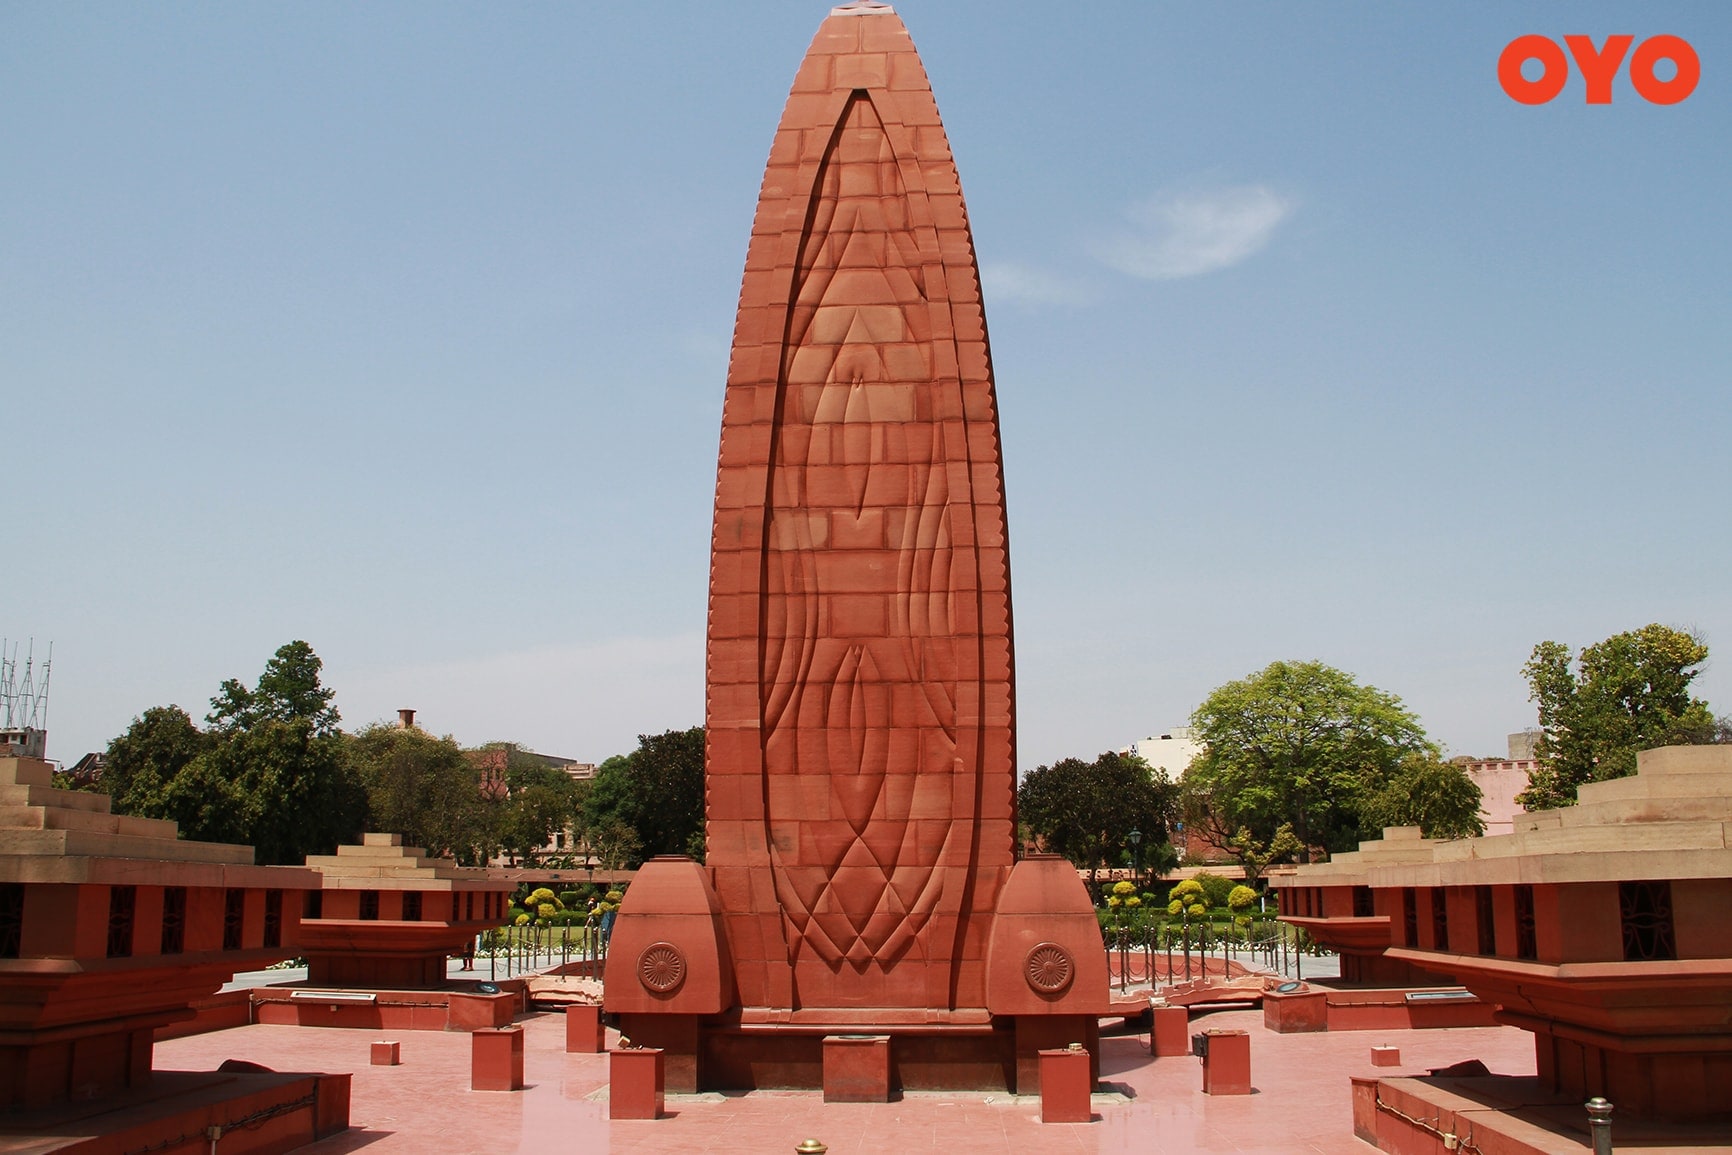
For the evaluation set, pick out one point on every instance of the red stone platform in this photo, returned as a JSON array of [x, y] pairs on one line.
[[1303, 1102], [1602, 928], [111, 929], [387, 916]]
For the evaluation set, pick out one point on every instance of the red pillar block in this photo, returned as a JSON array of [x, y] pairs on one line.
[[635, 1087], [1170, 1032], [387, 1054], [1386, 1056], [1296, 1012], [467, 1012], [856, 1068], [496, 1059], [1227, 1063], [585, 1032], [1065, 1086]]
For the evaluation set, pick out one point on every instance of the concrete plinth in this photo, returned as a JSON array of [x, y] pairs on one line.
[[496, 1059], [635, 1087], [585, 1030], [1226, 1062], [466, 1012], [1170, 1032], [856, 1068], [386, 1054], [1065, 1086], [1296, 1012]]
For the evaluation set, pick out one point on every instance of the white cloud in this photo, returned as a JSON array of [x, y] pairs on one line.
[[1020, 284], [581, 701], [1187, 234]]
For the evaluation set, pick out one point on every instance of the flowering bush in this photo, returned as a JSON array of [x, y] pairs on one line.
[[1187, 900]]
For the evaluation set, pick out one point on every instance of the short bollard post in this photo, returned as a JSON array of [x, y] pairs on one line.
[[1169, 1033], [1600, 1124], [496, 1059], [386, 1054], [1066, 1082], [635, 1087], [585, 1030], [1226, 1059]]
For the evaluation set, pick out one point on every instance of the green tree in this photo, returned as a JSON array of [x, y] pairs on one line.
[[153, 750], [288, 691], [1299, 743], [1438, 797], [292, 788], [656, 792], [423, 788], [270, 772], [1255, 856], [1086, 810], [1630, 692], [531, 817]]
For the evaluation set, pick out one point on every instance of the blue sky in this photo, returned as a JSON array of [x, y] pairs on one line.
[[402, 329]]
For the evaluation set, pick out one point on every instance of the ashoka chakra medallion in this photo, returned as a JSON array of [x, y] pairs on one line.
[[1049, 968], [661, 967]]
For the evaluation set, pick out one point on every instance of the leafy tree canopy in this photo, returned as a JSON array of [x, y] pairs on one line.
[[1630, 692], [656, 793], [270, 772], [425, 789], [1438, 797], [1299, 743], [154, 749], [1087, 810], [288, 691]]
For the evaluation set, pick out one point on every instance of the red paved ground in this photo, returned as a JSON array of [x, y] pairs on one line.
[[425, 1105]]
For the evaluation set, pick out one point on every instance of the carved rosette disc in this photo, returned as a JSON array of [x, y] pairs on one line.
[[1049, 968], [662, 968]]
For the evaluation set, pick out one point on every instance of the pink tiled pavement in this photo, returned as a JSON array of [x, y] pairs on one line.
[[1301, 1104]]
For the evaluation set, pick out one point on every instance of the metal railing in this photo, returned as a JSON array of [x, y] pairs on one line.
[[1194, 951], [576, 949]]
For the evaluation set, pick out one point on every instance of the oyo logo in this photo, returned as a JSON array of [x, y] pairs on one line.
[[1598, 67]]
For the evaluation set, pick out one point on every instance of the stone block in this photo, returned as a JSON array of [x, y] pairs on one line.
[[585, 1032], [1066, 1082], [1226, 1062], [472, 1012], [1296, 1012], [1169, 1034], [856, 1068], [496, 1059], [387, 1054], [635, 1083], [1386, 1056]]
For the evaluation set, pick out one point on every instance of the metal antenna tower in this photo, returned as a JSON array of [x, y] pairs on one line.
[[24, 703]]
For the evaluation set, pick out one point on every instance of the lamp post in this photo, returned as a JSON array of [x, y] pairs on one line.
[[1135, 838]]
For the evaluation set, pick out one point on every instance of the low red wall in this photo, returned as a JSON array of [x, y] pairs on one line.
[[1317, 1008], [392, 1010], [221, 1011]]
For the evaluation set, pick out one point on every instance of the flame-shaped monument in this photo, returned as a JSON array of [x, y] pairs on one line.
[[860, 761]]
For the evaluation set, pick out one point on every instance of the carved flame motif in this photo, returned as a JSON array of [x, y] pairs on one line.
[[661, 967], [858, 660], [1049, 968]]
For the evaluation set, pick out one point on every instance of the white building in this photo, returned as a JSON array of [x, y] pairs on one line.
[[1171, 751]]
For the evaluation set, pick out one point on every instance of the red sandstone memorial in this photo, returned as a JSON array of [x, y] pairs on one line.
[[111, 929], [860, 761]]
